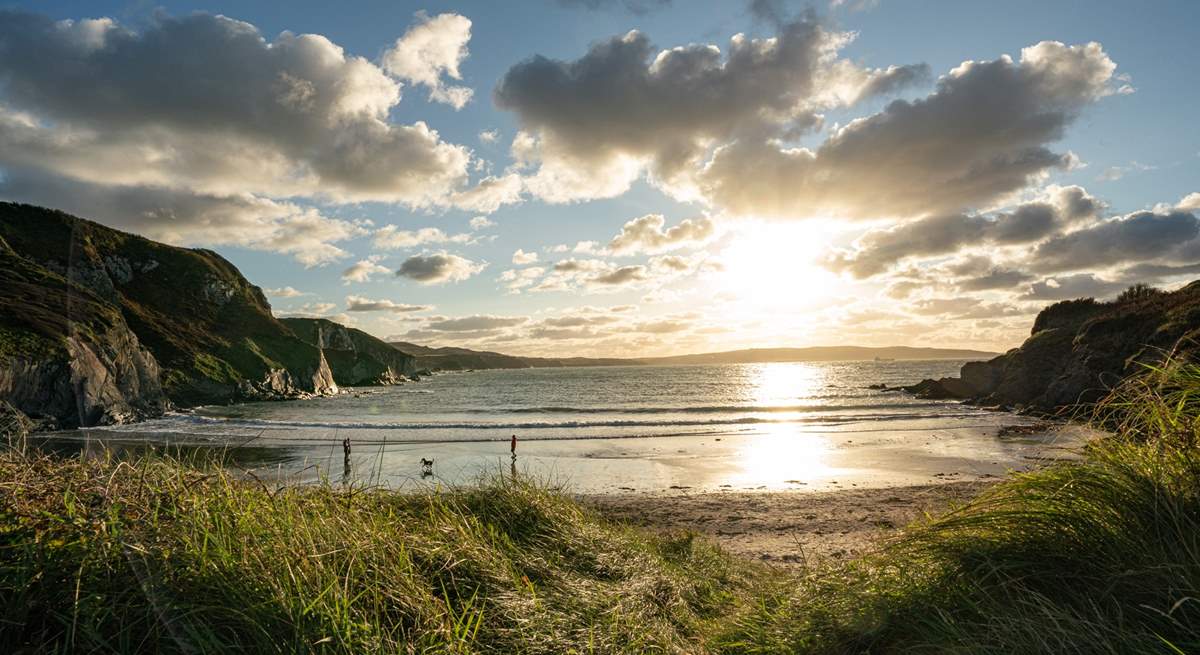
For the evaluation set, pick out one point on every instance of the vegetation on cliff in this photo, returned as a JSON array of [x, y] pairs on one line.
[[209, 330], [1078, 350], [1092, 556]]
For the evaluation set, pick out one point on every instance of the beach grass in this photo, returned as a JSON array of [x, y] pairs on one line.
[[1100, 555]]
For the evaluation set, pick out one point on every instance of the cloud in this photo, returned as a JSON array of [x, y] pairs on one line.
[[520, 257], [1066, 287], [517, 279], [1137, 237], [309, 310], [473, 323], [97, 102], [391, 237], [285, 292], [981, 134], [591, 125], [360, 304], [489, 136], [489, 194], [434, 47], [646, 235], [1114, 173], [937, 235], [621, 276], [438, 268], [1190, 202], [481, 223], [191, 219], [363, 269], [638, 7]]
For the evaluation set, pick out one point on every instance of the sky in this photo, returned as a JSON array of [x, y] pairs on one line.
[[628, 177]]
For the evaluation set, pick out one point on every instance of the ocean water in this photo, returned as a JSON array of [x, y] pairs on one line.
[[618, 428]]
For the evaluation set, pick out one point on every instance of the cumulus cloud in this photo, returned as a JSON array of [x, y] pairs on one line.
[[438, 268], [363, 269], [590, 126], [945, 234], [391, 237], [647, 235], [98, 102], [520, 257], [516, 279], [360, 304], [481, 223], [473, 323], [489, 194], [1137, 237], [1190, 202], [432, 49], [285, 292], [981, 134], [1079, 285]]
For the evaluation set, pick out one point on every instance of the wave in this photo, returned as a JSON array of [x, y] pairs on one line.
[[705, 409], [184, 421]]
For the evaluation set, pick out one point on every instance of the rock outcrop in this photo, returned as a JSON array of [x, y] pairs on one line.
[[355, 357], [67, 357], [99, 326], [1078, 350]]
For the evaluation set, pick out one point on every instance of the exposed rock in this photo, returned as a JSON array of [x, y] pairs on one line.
[[355, 357], [1078, 350], [100, 326]]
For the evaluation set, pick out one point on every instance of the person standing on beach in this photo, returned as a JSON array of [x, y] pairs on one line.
[[513, 447]]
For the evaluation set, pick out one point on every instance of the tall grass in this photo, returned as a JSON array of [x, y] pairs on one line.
[[1096, 556], [1100, 555], [154, 556]]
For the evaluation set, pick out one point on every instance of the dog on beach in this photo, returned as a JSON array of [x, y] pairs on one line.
[[426, 466]]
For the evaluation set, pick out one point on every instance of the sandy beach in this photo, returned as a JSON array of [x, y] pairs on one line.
[[789, 528]]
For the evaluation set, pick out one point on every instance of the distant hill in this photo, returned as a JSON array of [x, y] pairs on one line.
[[457, 359], [820, 354], [462, 359]]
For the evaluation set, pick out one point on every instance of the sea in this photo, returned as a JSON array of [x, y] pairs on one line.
[[625, 429]]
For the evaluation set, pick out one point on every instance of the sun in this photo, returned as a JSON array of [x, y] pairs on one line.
[[774, 266]]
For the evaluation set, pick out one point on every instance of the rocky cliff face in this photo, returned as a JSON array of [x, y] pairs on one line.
[[355, 357], [124, 323], [1078, 350], [67, 357]]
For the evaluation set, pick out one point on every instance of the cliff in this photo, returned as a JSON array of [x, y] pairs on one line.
[[355, 357], [1078, 350], [103, 326]]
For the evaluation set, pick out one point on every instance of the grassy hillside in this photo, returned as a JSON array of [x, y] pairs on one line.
[[1096, 556], [209, 329], [449, 358]]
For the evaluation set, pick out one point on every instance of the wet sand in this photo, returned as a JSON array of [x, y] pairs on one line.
[[790, 528]]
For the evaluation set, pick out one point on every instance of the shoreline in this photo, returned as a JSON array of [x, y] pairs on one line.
[[789, 528]]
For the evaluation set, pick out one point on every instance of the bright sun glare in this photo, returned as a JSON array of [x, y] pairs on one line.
[[777, 266]]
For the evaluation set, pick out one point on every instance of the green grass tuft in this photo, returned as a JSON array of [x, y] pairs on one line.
[[153, 555]]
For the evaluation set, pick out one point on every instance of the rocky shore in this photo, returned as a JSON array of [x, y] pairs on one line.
[[1077, 351]]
